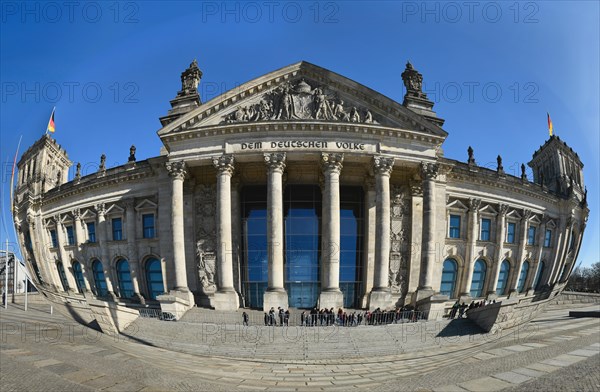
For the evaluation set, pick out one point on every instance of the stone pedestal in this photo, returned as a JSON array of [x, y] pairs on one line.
[[331, 299], [434, 306], [225, 300], [424, 293], [177, 302], [513, 294], [491, 295], [380, 299], [275, 299]]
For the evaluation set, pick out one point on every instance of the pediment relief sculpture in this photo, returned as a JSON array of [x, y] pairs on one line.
[[298, 100]]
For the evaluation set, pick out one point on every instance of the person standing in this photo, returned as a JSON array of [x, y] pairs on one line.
[[245, 319]]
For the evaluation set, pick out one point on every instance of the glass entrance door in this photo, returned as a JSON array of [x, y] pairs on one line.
[[302, 215]]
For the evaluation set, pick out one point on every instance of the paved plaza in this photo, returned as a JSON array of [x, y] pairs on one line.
[[44, 352]]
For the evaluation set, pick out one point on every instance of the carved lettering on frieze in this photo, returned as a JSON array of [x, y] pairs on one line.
[[299, 101]]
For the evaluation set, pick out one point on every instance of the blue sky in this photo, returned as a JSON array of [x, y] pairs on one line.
[[493, 68]]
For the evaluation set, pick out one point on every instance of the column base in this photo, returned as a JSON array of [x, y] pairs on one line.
[[513, 294], [225, 300], [111, 296], [465, 298], [331, 299], [380, 299], [275, 299], [177, 302], [138, 298], [424, 292], [491, 295], [433, 307]]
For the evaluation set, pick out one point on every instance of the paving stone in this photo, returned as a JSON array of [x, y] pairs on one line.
[[62, 368], [584, 353], [46, 362], [127, 386], [543, 367], [484, 384], [529, 372], [449, 388], [512, 377], [82, 375]]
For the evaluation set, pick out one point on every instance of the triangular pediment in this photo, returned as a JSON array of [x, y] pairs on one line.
[[488, 209], [146, 205], [457, 205], [303, 92]]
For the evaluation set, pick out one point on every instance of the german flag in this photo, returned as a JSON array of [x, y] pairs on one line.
[[550, 129], [50, 127]]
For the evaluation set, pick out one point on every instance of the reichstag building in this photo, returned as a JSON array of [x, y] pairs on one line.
[[300, 188]]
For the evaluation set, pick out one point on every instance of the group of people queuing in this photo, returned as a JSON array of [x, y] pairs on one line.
[[327, 317], [271, 318], [463, 308]]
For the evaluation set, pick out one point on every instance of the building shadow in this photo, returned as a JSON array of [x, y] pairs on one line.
[[460, 327]]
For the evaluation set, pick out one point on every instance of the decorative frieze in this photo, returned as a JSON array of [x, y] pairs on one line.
[[400, 213]]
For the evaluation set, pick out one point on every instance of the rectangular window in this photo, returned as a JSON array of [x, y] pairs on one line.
[[454, 226], [91, 229], [117, 229], [531, 235], [70, 235], [148, 224], [53, 238], [486, 225], [548, 238], [510, 233]]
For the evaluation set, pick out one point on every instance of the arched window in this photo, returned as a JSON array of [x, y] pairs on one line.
[[538, 277], [478, 278], [503, 277], [63, 277], [99, 279], [154, 278], [523, 276], [124, 277], [449, 274], [78, 276]]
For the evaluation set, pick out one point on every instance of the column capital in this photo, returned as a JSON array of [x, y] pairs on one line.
[[57, 220], [526, 214], [177, 170], [224, 164], [429, 170], [100, 209], [129, 204], [383, 165], [502, 209], [332, 162], [76, 214], [474, 205], [275, 161]]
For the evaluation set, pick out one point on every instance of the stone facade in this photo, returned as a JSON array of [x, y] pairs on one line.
[[177, 219]]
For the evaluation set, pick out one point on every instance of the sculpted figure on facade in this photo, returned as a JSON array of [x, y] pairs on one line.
[[190, 78], [399, 227], [205, 201], [299, 101]]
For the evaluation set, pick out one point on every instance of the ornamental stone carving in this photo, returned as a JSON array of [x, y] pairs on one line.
[[299, 101], [413, 80], [526, 214], [224, 163], [383, 165], [190, 78], [429, 170], [474, 205], [100, 209], [177, 170], [502, 209], [400, 212], [206, 206], [332, 162], [275, 161]]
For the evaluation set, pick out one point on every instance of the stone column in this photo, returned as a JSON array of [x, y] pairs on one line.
[[381, 296], [80, 239], [60, 238], [331, 296], [225, 298], [132, 252], [499, 253], [521, 251], [236, 232], [369, 239], [429, 173], [472, 235], [275, 296], [178, 171], [103, 235], [566, 247]]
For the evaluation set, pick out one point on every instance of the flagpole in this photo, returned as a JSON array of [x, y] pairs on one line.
[[6, 276]]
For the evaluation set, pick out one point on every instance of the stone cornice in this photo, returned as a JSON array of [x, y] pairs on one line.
[[90, 182], [317, 126], [487, 177]]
